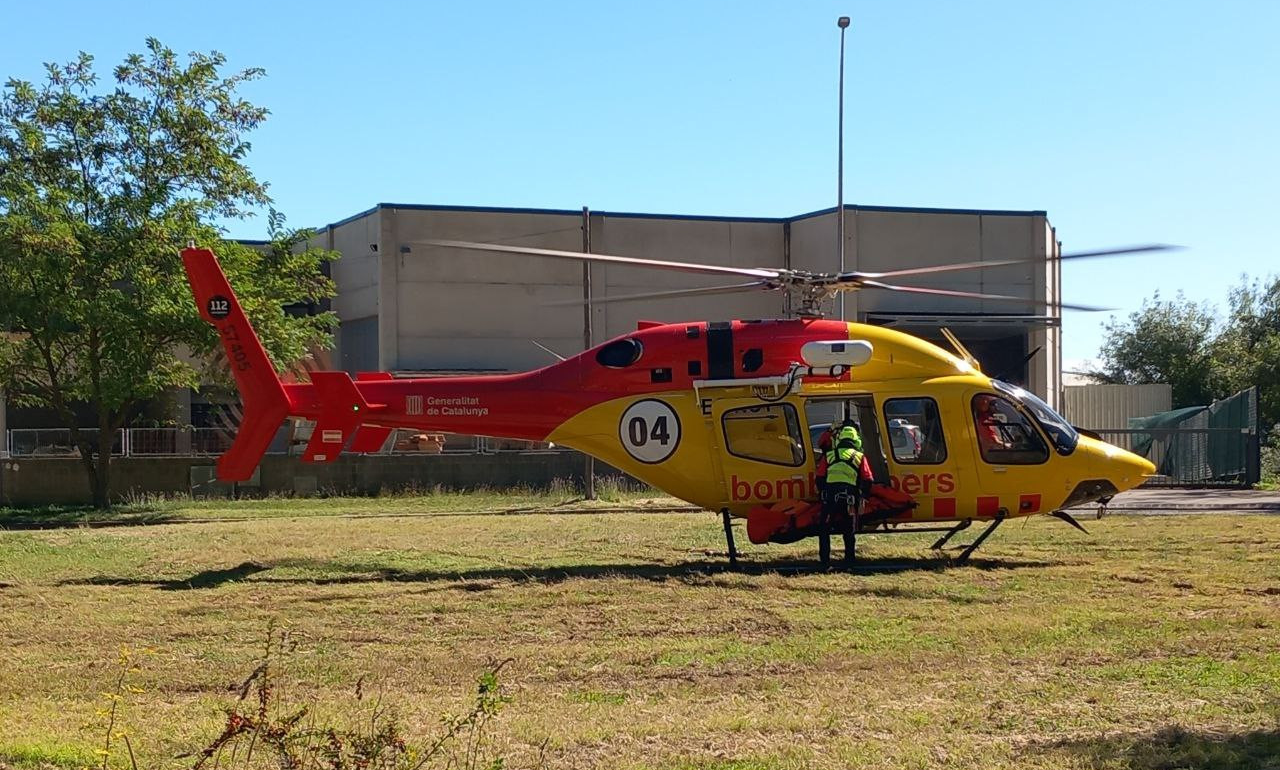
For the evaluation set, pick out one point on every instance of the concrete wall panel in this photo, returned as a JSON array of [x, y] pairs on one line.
[[436, 264], [488, 309], [499, 353], [358, 343], [356, 274]]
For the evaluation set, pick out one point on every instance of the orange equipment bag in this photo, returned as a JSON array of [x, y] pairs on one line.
[[883, 501], [784, 522]]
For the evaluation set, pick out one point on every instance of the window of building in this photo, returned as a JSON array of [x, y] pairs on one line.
[[769, 434], [915, 431], [1005, 436]]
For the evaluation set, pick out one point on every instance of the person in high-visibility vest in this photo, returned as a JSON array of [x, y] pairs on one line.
[[844, 466]]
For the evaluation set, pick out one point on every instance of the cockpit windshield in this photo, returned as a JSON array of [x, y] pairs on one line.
[[1063, 436]]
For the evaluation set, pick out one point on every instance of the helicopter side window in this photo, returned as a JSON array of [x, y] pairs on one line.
[[915, 431], [1005, 436], [1061, 433], [768, 434], [620, 353]]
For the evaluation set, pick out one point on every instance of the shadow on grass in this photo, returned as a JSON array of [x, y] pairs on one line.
[[1172, 747], [132, 515], [207, 579], [342, 573], [76, 516]]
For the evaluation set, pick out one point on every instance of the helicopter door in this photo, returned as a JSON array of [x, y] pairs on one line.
[[1010, 456], [822, 413], [764, 455]]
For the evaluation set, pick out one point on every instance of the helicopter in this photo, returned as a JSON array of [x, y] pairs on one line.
[[724, 415]]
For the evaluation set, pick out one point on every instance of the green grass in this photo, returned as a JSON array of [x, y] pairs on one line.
[[1150, 643], [160, 510]]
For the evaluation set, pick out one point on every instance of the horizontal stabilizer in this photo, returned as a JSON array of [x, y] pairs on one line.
[[342, 410], [369, 439]]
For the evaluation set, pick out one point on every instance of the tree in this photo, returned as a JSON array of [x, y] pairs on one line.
[[1170, 341], [1183, 344], [1248, 349], [98, 192]]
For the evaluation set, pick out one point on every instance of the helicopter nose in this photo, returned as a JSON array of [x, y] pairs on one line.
[[1124, 469], [1131, 469]]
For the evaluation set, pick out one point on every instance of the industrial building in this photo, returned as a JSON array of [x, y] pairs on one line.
[[407, 306]]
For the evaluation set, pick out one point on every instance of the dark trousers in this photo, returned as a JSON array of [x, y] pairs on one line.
[[838, 500]]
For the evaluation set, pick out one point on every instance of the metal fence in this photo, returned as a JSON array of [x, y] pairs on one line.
[[1210, 457], [56, 442], [210, 442], [177, 442]]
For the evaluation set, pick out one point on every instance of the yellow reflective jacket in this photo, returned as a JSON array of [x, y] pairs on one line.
[[844, 459]]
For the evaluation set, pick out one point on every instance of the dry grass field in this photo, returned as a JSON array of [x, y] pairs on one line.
[[1150, 643]]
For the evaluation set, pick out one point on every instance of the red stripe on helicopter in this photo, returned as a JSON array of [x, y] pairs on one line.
[[988, 506], [1029, 504], [944, 507]]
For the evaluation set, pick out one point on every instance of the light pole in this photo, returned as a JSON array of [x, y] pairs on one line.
[[589, 470], [843, 23]]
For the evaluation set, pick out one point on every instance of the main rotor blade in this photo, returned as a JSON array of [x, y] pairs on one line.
[[977, 295], [943, 268], [1122, 250], [754, 285], [688, 267], [1004, 262]]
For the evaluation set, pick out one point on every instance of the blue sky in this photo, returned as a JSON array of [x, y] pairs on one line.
[[1128, 122]]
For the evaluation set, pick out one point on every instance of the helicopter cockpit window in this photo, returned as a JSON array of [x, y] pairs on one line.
[[1005, 436], [915, 431], [1061, 433], [769, 434], [620, 353]]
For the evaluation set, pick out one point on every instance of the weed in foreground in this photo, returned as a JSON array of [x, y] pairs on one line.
[[262, 730]]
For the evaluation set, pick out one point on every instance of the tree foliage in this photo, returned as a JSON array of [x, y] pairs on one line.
[[1248, 348], [1202, 356], [1168, 341], [99, 190]]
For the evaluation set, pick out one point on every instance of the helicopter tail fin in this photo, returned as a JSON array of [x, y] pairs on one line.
[[266, 402]]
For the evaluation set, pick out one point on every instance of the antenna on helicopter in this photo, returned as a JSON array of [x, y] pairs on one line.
[[548, 351]]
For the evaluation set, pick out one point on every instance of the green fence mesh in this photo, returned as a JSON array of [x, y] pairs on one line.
[[1212, 444]]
